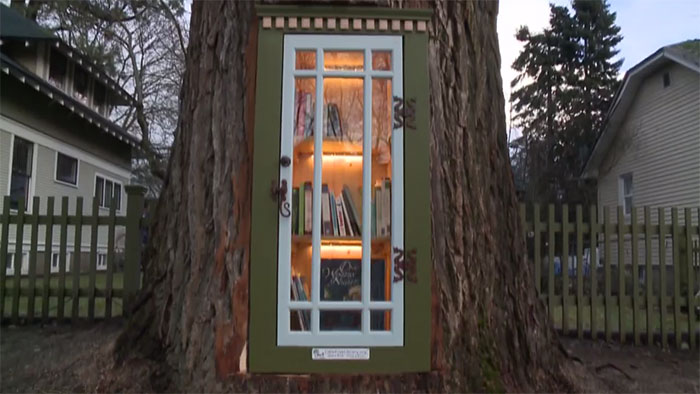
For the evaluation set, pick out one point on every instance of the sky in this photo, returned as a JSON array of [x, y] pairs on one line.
[[646, 26]]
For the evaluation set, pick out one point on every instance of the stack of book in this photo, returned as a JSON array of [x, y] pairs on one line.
[[299, 294], [341, 215], [304, 113]]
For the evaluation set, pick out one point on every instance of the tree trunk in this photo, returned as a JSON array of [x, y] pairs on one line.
[[489, 331]]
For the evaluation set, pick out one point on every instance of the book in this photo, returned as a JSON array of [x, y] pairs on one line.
[[334, 124], [295, 209], [295, 297], [308, 116], [308, 209], [326, 222], [349, 230], [339, 216], [334, 213], [356, 220], [325, 121], [300, 220]]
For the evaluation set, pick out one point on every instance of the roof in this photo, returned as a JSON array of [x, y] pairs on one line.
[[14, 26], [686, 53], [16, 70]]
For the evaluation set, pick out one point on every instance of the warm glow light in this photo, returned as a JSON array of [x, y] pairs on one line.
[[342, 157], [341, 251]]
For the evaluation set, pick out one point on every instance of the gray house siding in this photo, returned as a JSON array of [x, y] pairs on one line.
[[659, 144]]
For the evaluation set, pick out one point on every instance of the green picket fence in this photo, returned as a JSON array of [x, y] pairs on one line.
[[643, 289], [33, 289]]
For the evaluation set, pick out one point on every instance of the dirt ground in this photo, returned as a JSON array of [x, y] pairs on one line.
[[67, 359]]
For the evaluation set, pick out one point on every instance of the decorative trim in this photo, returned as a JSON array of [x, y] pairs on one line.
[[348, 18]]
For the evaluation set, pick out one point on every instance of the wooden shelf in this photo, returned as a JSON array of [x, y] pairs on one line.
[[331, 145], [306, 240]]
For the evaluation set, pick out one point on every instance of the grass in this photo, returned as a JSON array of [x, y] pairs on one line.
[[627, 319], [100, 302]]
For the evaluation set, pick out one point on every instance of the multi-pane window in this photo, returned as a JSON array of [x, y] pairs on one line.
[[10, 264], [345, 183], [108, 190], [56, 261], [626, 193], [80, 84], [101, 262], [66, 169], [20, 179], [58, 68]]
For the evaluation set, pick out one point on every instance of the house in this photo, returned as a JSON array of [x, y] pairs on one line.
[[648, 152], [56, 138]]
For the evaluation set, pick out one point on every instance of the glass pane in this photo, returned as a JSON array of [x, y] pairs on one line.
[[299, 320], [381, 60], [67, 169], [19, 188], [381, 193], [306, 60], [108, 194], [118, 195], [380, 320], [99, 189], [341, 320], [22, 156], [302, 188], [345, 60]]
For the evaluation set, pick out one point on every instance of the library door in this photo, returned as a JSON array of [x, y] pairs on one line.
[[341, 178]]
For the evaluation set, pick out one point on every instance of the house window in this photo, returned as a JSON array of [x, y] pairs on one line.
[[101, 262], [100, 98], [667, 79], [105, 190], [80, 85], [66, 169], [55, 261], [10, 264], [20, 180], [58, 69], [626, 193]]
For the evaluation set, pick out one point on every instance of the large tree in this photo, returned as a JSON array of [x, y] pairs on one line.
[[490, 332]]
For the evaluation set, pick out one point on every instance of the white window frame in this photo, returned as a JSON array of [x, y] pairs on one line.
[[77, 170], [622, 192], [24, 269], [55, 255], [101, 261], [364, 337], [32, 179], [114, 181]]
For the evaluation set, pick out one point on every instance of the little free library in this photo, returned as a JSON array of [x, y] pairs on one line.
[[340, 248]]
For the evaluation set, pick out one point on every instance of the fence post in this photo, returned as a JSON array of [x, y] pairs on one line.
[[132, 247]]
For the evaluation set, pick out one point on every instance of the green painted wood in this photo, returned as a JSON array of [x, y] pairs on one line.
[[565, 267], [595, 305], [75, 269], [538, 252], [48, 243], [264, 355], [649, 291], [34, 228], [93, 258], [689, 290], [677, 267], [635, 277], [73, 220], [19, 249], [550, 259], [110, 259], [621, 273], [4, 239], [579, 271], [132, 247], [663, 302], [607, 234], [343, 11], [62, 258]]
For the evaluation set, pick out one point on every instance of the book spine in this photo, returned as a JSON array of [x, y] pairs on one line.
[[339, 212], [299, 124], [295, 210], [308, 118], [381, 230], [326, 130], [387, 205], [348, 225], [300, 219], [308, 207], [334, 120], [334, 213], [354, 213], [326, 211]]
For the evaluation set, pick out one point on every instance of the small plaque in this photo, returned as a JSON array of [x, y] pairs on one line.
[[340, 354]]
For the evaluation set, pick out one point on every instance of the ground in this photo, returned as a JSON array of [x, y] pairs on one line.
[[61, 358]]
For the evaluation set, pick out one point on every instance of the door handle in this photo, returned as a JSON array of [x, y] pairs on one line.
[[280, 192]]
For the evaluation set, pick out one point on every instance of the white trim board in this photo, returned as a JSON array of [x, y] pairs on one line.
[[15, 128]]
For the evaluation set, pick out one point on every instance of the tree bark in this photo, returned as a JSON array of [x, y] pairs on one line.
[[490, 332]]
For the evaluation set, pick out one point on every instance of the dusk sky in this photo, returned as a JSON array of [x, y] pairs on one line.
[[646, 25]]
